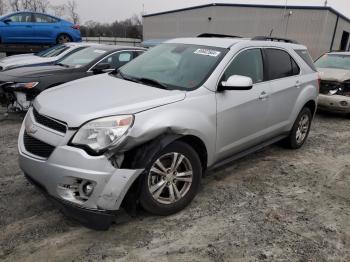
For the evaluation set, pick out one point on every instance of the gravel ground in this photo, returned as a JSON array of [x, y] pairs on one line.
[[276, 204]]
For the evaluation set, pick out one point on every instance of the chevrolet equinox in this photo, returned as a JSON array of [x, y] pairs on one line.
[[147, 132]]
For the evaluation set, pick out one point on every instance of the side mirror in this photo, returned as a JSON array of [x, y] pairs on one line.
[[7, 20], [236, 82], [101, 68]]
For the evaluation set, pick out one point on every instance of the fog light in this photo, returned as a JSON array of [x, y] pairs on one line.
[[88, 188], [344, 103]]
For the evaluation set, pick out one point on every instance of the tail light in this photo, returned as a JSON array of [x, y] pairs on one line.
[[76, 27]]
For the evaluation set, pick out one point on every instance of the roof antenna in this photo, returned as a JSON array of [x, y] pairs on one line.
[[325, 2], [271, 32]]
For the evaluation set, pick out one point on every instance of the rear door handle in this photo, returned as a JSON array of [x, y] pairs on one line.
[[263, 96], [28, 26]]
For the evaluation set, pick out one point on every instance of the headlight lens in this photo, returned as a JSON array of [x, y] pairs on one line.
[[102, 133], [28, 85]]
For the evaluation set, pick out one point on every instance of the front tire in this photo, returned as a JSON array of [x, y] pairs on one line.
[[172, 180], [300, 130]]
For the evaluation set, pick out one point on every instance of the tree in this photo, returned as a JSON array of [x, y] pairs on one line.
[[72, 11], [3, 7], [15, 5], [59, 10], [30, 5]]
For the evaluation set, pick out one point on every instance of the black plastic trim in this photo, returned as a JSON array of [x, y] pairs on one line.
[[93, 219]]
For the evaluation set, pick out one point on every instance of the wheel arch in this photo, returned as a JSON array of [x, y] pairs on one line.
[[142, 156]]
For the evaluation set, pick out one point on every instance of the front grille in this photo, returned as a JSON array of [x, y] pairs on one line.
[[37, 147], [50, 123]]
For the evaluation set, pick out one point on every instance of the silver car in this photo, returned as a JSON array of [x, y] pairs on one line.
[[334, 71], [147, 133]]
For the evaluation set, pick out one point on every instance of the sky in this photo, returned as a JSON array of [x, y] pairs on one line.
[[107, 11]]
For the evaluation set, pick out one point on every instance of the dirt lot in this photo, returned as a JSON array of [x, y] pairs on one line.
[[274, 205]]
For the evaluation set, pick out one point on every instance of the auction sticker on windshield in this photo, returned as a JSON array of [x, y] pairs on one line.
[[207, 52], [99, 51]]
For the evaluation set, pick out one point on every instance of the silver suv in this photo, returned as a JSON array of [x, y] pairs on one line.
[[147, 132]]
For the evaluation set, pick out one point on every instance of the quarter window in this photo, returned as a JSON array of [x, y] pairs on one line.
[[280, 64], [248, 63]]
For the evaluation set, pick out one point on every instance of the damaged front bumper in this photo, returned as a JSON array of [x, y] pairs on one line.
[[334, 103], [63, 175]]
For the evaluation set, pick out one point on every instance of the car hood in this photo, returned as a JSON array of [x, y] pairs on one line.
[[24, 60], [34, 72], [98, 96], [332, 74]]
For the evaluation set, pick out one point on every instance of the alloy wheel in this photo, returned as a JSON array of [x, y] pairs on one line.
[[170, 178], [63, 39], [303, 128]]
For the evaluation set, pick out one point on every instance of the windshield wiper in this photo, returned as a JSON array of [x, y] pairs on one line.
[[64, 65], [125, 77], [153, 82]]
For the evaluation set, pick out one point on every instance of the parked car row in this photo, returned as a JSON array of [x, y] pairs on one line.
[[146, 130], [24, 77]]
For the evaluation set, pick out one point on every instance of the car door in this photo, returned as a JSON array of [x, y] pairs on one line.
[[45, 27], [283, 73], [242, 116], [19, 29]]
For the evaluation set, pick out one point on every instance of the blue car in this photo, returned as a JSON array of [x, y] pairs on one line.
[[37, 28]]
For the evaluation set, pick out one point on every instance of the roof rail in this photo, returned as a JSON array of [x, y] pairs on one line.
[[276, 39], [217, 35]]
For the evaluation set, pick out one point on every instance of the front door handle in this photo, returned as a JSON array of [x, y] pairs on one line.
[[297, 84], [263, 96], [29, 26]]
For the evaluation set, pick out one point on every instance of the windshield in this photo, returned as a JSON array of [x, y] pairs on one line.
[[82, 57], [337, 61], [53, 51], [174, 66]]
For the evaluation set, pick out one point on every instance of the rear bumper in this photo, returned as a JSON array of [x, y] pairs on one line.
[[334, 103]]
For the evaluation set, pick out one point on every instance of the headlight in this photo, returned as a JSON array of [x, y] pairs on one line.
[[102, 133], [28, 85]]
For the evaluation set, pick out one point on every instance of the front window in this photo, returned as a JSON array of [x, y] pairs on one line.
[[248, 63], [82, 57], [53, 51], [118, 59], [174, 66], [21, 18], [336, 61]]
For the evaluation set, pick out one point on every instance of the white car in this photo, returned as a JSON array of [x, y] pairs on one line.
[[48, 56]]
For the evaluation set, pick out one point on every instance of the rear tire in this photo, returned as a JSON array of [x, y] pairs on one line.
[[63, 38], [172, 180], [300, 130]]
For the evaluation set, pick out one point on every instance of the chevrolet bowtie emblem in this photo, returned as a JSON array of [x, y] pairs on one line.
[[31, 129]]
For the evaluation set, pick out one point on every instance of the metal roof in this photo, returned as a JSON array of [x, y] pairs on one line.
[[326, 8]]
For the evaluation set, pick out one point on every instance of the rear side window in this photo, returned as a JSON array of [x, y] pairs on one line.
[[41, 18], [279, 64], [304, 54], [248, 63]]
